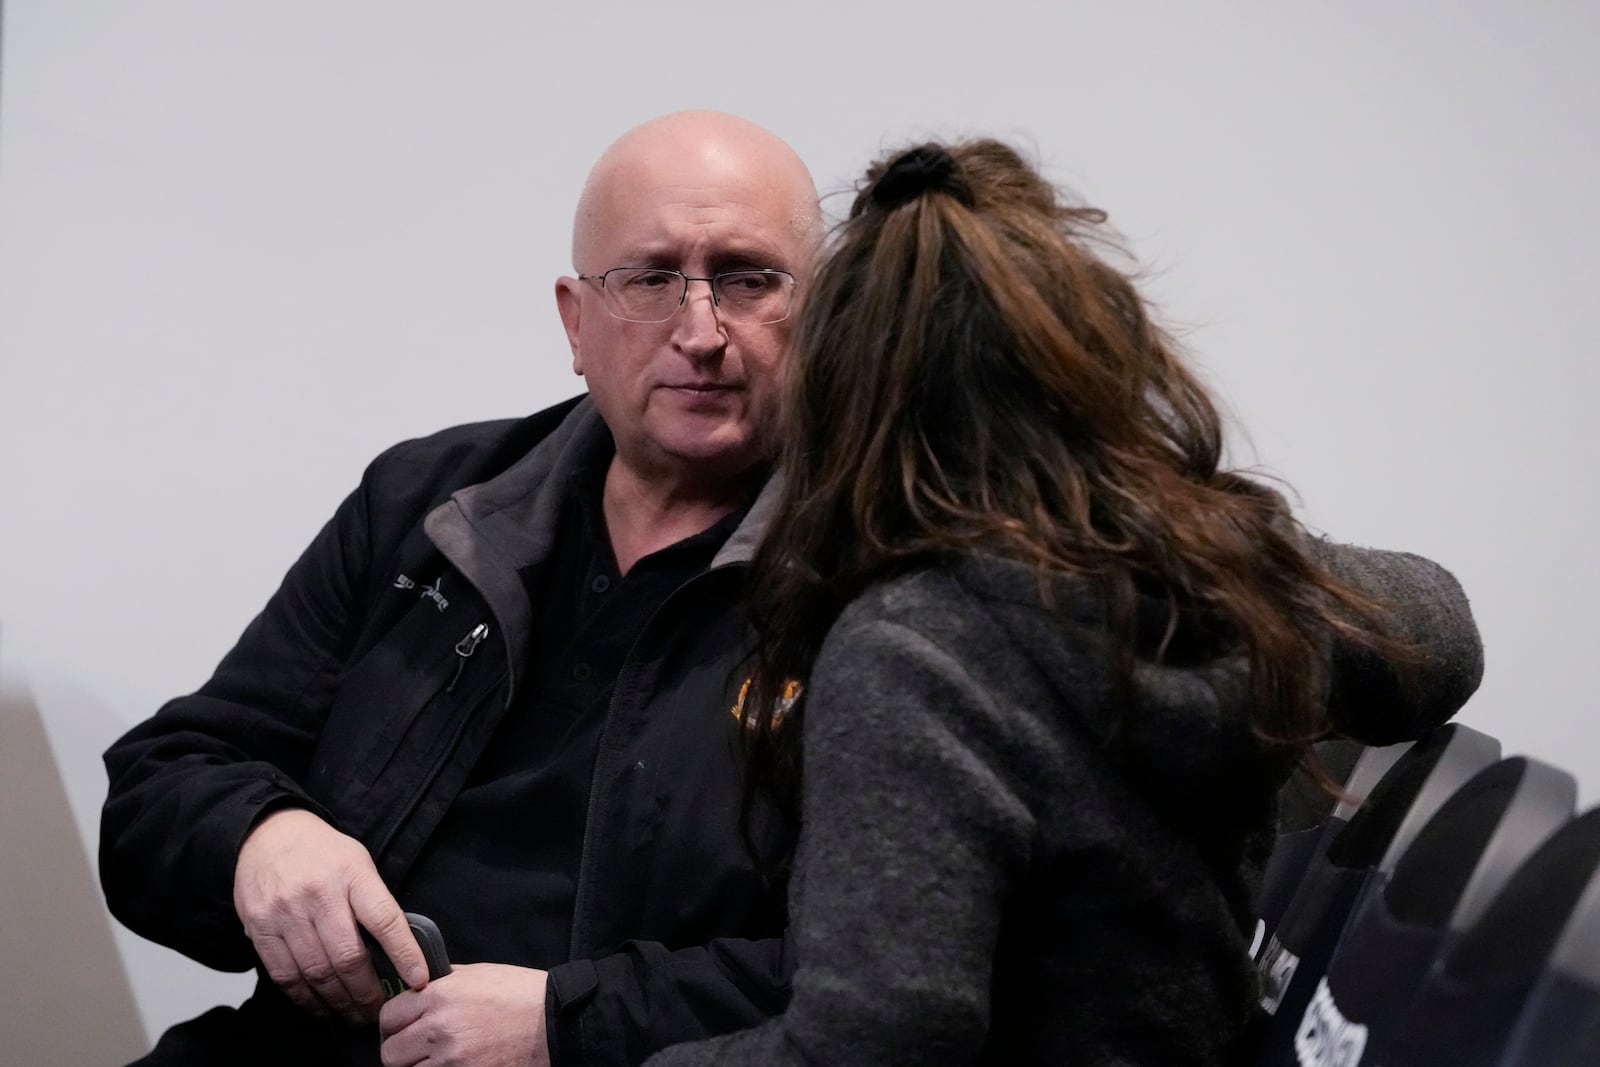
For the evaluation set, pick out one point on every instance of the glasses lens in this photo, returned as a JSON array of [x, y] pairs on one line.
[[754, 296], [644, 294]]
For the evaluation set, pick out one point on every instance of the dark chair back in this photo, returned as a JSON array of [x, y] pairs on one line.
[[1560, 1024], [1365, 850], [1468, 1007], [1305, 837], [1441, 885]]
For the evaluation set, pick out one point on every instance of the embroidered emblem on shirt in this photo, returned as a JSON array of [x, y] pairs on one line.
[[403, 582], [791, 692]]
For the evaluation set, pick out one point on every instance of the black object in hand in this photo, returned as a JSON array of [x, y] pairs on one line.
[[432, 943]]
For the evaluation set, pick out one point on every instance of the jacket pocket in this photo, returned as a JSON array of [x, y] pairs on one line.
[[396, 707]]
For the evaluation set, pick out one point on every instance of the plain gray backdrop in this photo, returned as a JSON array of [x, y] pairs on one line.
[[243, 247]]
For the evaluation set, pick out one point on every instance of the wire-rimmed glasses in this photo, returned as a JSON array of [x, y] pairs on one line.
[[654, 294]]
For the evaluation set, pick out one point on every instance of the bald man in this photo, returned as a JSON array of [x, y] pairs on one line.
[[496, 688]]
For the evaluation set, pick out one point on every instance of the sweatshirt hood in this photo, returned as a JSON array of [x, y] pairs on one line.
[[1180, 723]]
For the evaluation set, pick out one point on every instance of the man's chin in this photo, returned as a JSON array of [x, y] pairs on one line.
[[716, 455]]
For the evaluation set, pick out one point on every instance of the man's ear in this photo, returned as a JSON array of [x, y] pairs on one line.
[[569, 302]]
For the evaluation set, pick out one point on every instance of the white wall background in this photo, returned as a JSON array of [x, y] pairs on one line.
[[245, 246]]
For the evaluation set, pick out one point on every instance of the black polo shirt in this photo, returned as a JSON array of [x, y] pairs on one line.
[[499, 874]]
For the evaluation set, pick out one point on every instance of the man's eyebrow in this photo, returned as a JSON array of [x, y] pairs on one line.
[[744, 259], [734, 257]]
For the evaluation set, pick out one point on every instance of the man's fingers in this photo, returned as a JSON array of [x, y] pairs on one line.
[[400, 1012], [285, 973], [324, 968], [306, 943], [377, 910], [403, 1043], [349, 973], [402, 1051], [299, 885]]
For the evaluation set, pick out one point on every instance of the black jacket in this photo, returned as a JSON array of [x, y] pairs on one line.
[[357, 694]]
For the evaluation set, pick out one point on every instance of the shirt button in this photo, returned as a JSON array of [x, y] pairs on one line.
[[600, 584], [582, 672]]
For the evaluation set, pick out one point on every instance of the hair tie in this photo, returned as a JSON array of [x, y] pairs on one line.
[[916, 171]]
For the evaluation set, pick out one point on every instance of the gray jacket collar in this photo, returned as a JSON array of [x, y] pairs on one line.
[[492, 530], [740, 547]]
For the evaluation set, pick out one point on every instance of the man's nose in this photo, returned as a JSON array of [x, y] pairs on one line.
[[698, 329]]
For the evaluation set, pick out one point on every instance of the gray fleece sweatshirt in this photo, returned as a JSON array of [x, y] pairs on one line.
[[1005, 860]]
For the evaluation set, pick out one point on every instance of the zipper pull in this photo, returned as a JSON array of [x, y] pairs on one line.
[[464, 650]]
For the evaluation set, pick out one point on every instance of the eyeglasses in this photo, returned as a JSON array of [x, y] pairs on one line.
[[654, 294]]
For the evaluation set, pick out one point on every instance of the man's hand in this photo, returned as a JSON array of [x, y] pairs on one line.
[[300, 887], [479, 1015]]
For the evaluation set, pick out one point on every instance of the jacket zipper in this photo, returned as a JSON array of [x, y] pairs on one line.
[[464, 650]]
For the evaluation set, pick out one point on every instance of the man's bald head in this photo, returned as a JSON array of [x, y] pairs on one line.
[[691, 398], [690, 149]]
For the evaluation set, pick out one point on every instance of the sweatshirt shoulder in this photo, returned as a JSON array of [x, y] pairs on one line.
[[929, 601], [972, 595], [966, 610]]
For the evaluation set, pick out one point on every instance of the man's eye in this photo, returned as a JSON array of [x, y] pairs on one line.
[[651, 279], [747, 284]]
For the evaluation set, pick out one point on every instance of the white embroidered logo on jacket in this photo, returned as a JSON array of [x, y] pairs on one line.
[[432, 592], [435, 593]]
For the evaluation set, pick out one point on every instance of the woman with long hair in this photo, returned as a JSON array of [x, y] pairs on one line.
[[1032, 665]]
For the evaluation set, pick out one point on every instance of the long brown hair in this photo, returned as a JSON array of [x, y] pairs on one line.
[[971, 375]]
